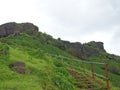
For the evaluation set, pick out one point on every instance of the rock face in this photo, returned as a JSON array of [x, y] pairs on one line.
[[77, 49], [93, 48], [85, 50], [13, 28]]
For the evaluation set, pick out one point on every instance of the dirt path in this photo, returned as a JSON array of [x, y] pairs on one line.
[[84, 81]]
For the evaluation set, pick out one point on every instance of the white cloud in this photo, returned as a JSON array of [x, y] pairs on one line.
[[74, 20]]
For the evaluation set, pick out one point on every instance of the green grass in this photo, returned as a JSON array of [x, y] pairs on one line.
[[42, 71], [113, 77]]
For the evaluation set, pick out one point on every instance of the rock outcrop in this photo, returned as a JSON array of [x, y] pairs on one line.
[[93, 48], [13, 28], [77, 49], [85, 50]]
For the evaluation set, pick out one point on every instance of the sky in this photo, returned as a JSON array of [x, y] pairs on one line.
[[73, 20]]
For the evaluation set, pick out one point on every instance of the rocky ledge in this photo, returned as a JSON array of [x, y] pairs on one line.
[[13, 28]]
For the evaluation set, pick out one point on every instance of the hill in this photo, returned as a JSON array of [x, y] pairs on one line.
[[30, 60]]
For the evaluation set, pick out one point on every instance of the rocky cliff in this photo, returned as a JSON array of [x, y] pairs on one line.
[[85, 50], [13, 28], [77, 49]]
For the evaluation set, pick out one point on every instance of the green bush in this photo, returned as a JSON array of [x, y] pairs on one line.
[[62, 83], [61, 71], [4, 51], [62, 79], [58, 63], [37, 53], [114, 70]]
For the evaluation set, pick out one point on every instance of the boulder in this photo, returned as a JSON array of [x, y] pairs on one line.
[[13, 28]]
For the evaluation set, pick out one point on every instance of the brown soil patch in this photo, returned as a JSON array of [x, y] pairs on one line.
[[73, 73], [18, 67], [83, 81]]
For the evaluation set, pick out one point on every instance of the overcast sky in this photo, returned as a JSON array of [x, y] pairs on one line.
[[73, 20]]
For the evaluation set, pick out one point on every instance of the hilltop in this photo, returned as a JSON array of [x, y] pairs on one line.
[[13, 28], [27, 62], [77, 49]]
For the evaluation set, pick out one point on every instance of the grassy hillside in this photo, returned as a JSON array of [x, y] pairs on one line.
[[42, 70]]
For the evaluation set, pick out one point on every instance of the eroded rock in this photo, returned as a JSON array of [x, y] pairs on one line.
[[13, 28]]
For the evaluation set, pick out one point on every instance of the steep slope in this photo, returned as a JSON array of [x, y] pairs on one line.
[[41, 70], [28, 62]]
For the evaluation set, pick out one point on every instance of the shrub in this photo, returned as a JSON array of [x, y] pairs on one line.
[[62, 79], [62, 83], [58, 63], [114, 70], [4, 51]]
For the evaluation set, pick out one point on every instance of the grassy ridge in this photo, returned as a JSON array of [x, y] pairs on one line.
[[42, 72]]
